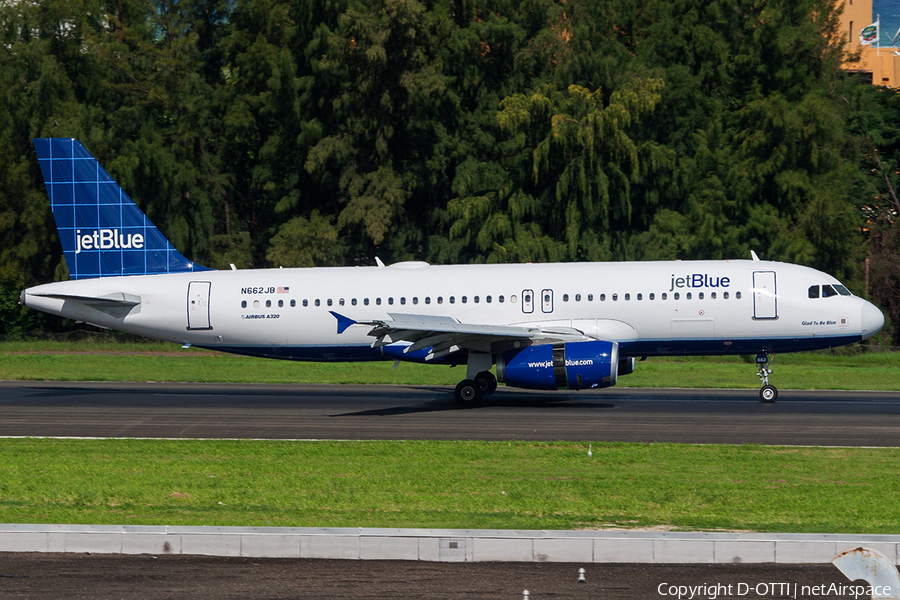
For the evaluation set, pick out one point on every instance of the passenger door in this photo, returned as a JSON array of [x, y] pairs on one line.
[[765, 298], [198, 305]]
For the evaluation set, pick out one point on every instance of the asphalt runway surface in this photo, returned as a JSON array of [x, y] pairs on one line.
[[421, 412], [168, 410], [46, 576]]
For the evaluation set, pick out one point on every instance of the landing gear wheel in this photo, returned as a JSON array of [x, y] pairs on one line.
[[468, 392], [487, 381], [767, 393]]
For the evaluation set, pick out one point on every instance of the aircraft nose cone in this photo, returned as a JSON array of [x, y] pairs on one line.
[[871, 319]]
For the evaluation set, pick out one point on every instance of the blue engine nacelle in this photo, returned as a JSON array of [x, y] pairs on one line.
[[572, 365]]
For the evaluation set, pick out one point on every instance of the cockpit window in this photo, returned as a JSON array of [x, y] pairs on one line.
[[842, 290], [828, 290]]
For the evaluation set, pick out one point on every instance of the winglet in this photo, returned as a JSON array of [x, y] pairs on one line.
[[342, 322]]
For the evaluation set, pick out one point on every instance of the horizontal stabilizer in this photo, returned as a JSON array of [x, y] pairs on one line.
[[117, 298]]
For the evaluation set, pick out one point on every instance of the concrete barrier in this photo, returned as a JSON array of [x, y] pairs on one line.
[[444, 545]]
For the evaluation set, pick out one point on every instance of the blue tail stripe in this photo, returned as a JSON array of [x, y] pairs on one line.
[[103, 232]]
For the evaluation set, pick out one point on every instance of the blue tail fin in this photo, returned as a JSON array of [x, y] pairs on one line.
[[103, 232]]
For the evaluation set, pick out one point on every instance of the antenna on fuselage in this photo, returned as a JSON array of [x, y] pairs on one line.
[[379, 263], [754, 256]]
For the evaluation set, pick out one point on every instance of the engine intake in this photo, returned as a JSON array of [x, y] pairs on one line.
[[572, 365]]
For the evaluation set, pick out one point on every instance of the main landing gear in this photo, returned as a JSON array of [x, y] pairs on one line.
[[472, 391], [768, 392], [479, 381]]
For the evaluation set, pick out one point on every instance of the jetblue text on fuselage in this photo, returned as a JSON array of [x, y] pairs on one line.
[[698, 280], [107, 239]]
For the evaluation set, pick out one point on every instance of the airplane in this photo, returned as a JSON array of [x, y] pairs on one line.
[[542, 326]]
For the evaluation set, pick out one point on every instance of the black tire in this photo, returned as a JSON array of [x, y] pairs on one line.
[[768, 393], [468, 392], [488, 383]]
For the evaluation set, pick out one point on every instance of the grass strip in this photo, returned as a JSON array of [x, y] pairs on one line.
[[508, 485], [110, 361]]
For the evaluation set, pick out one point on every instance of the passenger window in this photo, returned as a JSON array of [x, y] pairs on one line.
[[828, 291], [813, 291], [725, 295], [737, 295], [281, 304], [463, 299], [565, 297], [391, 301], [452, 299], [440, 300], [341, 302], [615, 297], [665, 296], [305, 302], [687, 296], [243, 304], [628, 296], [699, 295], [652, 296], [427, 299], [712, 295], [590, 297], [677, 295], [256, 304], [487, 299], [293, 303], [353, 302], [366, 301], [640, 296], [577, 297], [268, 304], [513, 299], [602, 297], [500, 299], [475, 299], [329, 302], [377, 301], [402, 300], [415, 299]]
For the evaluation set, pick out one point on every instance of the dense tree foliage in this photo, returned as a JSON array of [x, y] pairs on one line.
[[322, 132]]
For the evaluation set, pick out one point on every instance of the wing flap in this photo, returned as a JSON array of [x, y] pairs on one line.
[[445, 335]]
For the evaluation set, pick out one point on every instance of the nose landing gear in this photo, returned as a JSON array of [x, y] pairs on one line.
[[768, 392]]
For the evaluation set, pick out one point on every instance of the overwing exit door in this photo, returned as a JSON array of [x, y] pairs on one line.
[[198, 305], [765, 299]]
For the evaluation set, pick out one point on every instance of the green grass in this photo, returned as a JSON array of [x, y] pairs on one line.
[[509, 485], [150, 361], [489, 485]]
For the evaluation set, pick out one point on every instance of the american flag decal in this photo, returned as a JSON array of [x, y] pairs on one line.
[[282, 290]]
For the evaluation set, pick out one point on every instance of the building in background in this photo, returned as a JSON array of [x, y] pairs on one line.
[[882, 64]]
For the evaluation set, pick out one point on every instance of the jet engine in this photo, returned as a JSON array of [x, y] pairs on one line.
[[572, 365]]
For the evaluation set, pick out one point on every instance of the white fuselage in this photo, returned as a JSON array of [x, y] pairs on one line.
[[650, 308]]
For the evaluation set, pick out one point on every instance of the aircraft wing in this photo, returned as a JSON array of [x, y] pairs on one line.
[[445, 335]]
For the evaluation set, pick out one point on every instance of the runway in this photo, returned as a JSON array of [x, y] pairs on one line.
[[265, 411]]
